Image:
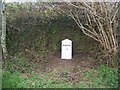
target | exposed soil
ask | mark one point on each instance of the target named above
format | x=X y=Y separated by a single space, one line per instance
x=79 y=59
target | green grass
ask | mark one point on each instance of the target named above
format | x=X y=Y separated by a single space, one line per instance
x=109 y=76
x=104 y=77
x=17 y=80
x=18 y=74
x=12 y=80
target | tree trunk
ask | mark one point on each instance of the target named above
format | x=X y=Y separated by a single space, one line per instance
x=3 y=31
x=0 y=46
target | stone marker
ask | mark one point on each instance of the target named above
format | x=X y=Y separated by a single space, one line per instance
x=66 y=49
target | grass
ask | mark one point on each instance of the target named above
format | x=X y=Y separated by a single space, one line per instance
x=17 y=80
x=19 y=74
x=104 y=77
x=43 y=39
x=12 y=80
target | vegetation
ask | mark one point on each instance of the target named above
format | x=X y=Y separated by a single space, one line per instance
x=34 y=32
x=99 y=23
x=105 y=77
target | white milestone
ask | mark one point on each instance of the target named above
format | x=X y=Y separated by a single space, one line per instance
x=66 y=49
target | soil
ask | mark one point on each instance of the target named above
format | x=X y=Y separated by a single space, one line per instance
x=80 y=59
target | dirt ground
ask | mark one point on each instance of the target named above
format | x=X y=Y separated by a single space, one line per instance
x=82 y=60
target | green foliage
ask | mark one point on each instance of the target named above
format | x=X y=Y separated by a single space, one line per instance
x=20 y=64
x=40 y=29
x=12 y=80
x=42 y=34
x=109 y=76
x=104 y=77
x=17 y=80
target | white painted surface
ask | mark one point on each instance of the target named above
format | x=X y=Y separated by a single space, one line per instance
x=66 y=49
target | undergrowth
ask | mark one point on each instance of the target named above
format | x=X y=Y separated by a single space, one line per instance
x=104 y=77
